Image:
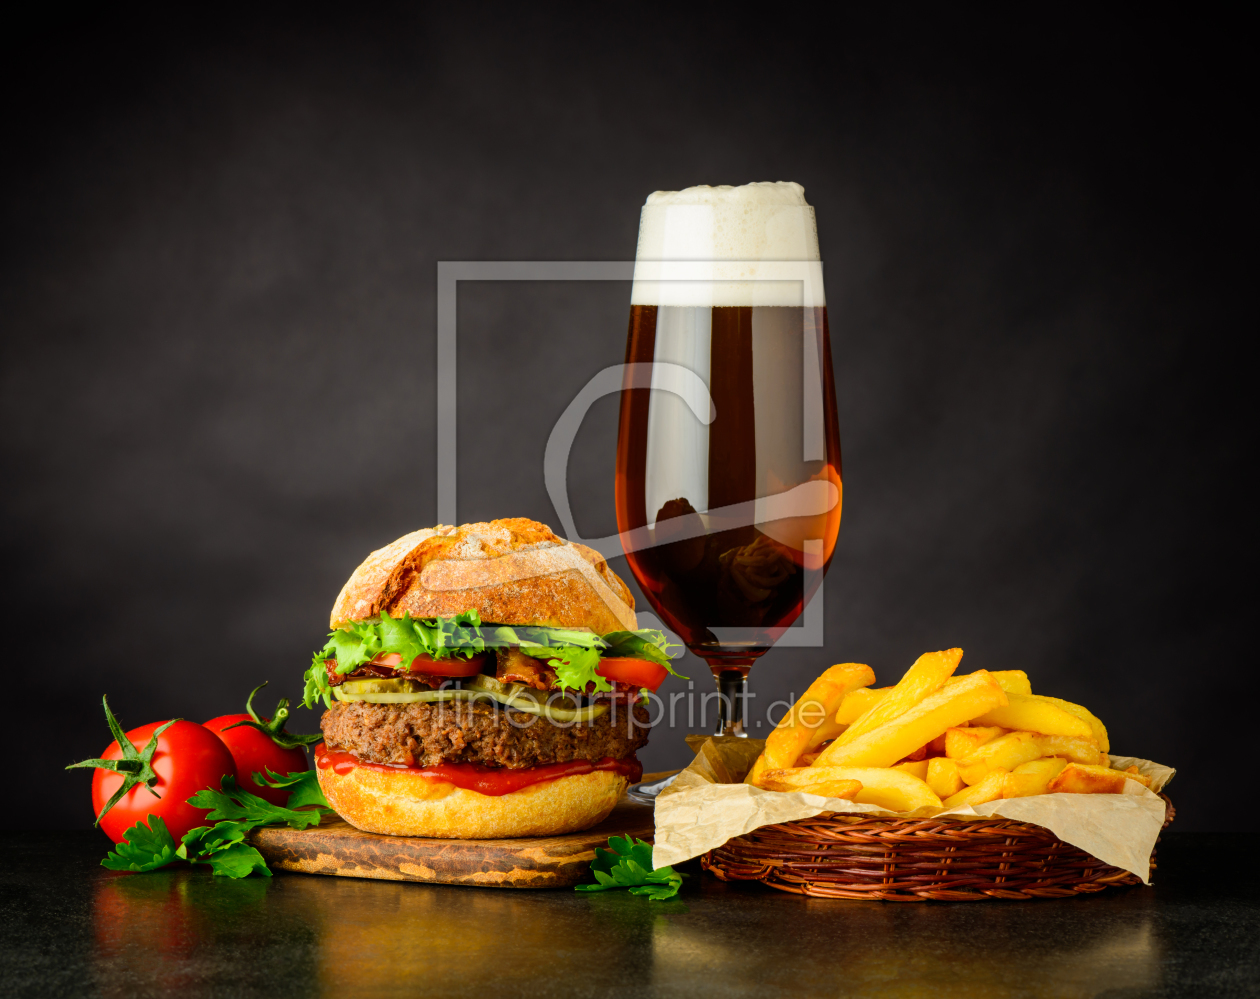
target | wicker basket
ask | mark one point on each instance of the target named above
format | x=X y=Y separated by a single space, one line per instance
x=915 y=860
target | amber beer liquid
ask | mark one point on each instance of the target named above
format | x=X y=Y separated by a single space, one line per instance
x=728 y=458
x=756 y=577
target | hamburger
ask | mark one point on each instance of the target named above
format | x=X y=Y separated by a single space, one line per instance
x=482 y=681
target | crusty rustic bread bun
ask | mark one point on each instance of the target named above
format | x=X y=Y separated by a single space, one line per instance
x=513 y=571
x=406 y=804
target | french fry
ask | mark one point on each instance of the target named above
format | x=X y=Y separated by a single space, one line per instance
x=1097 y=728
x=942 y=777
x=918 y=754
x=1032 y=714
x=846 y=789
x=974 y=773
x=989 y=789
x=815 y=708
x=962 y=742
x=1006 y=751
x=857 y=703
x=1072 y=750
x=931 y=717
x=937 y=746
x=926 y=676
x=1131 y=772
x=825 y=732
x=915 y=768
x=1013 y=681
x=887 y=787
x=759 y=767
x=1032 y=777
x=811 y=780
x=1080 y=778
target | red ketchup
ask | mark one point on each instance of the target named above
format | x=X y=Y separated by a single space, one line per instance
x=492 y=781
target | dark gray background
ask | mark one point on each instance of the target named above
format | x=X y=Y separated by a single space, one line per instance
x=219 y=262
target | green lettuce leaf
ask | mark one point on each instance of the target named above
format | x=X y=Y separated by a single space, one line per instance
x=628 y=864
x=575 y=668
x=143 y=848
x=316 y=688
x=502 y=636
x=390 y=634
x=359 y=642
x=646 y=643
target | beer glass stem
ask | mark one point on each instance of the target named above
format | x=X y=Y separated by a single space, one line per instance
x=733 y=694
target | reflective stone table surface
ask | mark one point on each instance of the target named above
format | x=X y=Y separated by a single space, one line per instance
x=70 y=928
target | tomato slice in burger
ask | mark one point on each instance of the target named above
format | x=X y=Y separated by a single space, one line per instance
x=639 y=672
x=448 y=667
x=433 y=667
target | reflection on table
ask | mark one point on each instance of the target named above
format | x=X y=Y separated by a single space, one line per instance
x=306 y=935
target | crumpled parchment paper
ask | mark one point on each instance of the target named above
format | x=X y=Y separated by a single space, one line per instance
x=708 y=803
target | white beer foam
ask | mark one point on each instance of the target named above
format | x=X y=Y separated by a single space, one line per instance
x=728 y=246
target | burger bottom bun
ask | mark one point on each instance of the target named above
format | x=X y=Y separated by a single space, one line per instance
x=403 y=804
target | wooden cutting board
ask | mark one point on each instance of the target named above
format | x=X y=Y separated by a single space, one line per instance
x=336 y=847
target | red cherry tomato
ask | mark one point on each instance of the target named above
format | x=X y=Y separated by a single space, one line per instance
x=189 y=758
x=254 y=752
x=639 y=672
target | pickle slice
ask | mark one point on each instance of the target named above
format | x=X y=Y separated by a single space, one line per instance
x=382 y=685
x=517 y=692
x=397 y=696
x=514 y=696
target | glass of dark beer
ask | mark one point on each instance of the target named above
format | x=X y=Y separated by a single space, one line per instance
x=728 y=455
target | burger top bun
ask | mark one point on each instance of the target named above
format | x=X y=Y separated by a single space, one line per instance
x=513 y=571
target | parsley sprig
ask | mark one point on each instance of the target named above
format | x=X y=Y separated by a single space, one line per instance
x=143 y=848
x=235 y=813
x=629 y=865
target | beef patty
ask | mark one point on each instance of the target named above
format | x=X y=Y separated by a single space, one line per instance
x=426 y=734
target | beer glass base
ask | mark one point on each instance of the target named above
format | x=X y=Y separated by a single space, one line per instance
x=732 y=696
